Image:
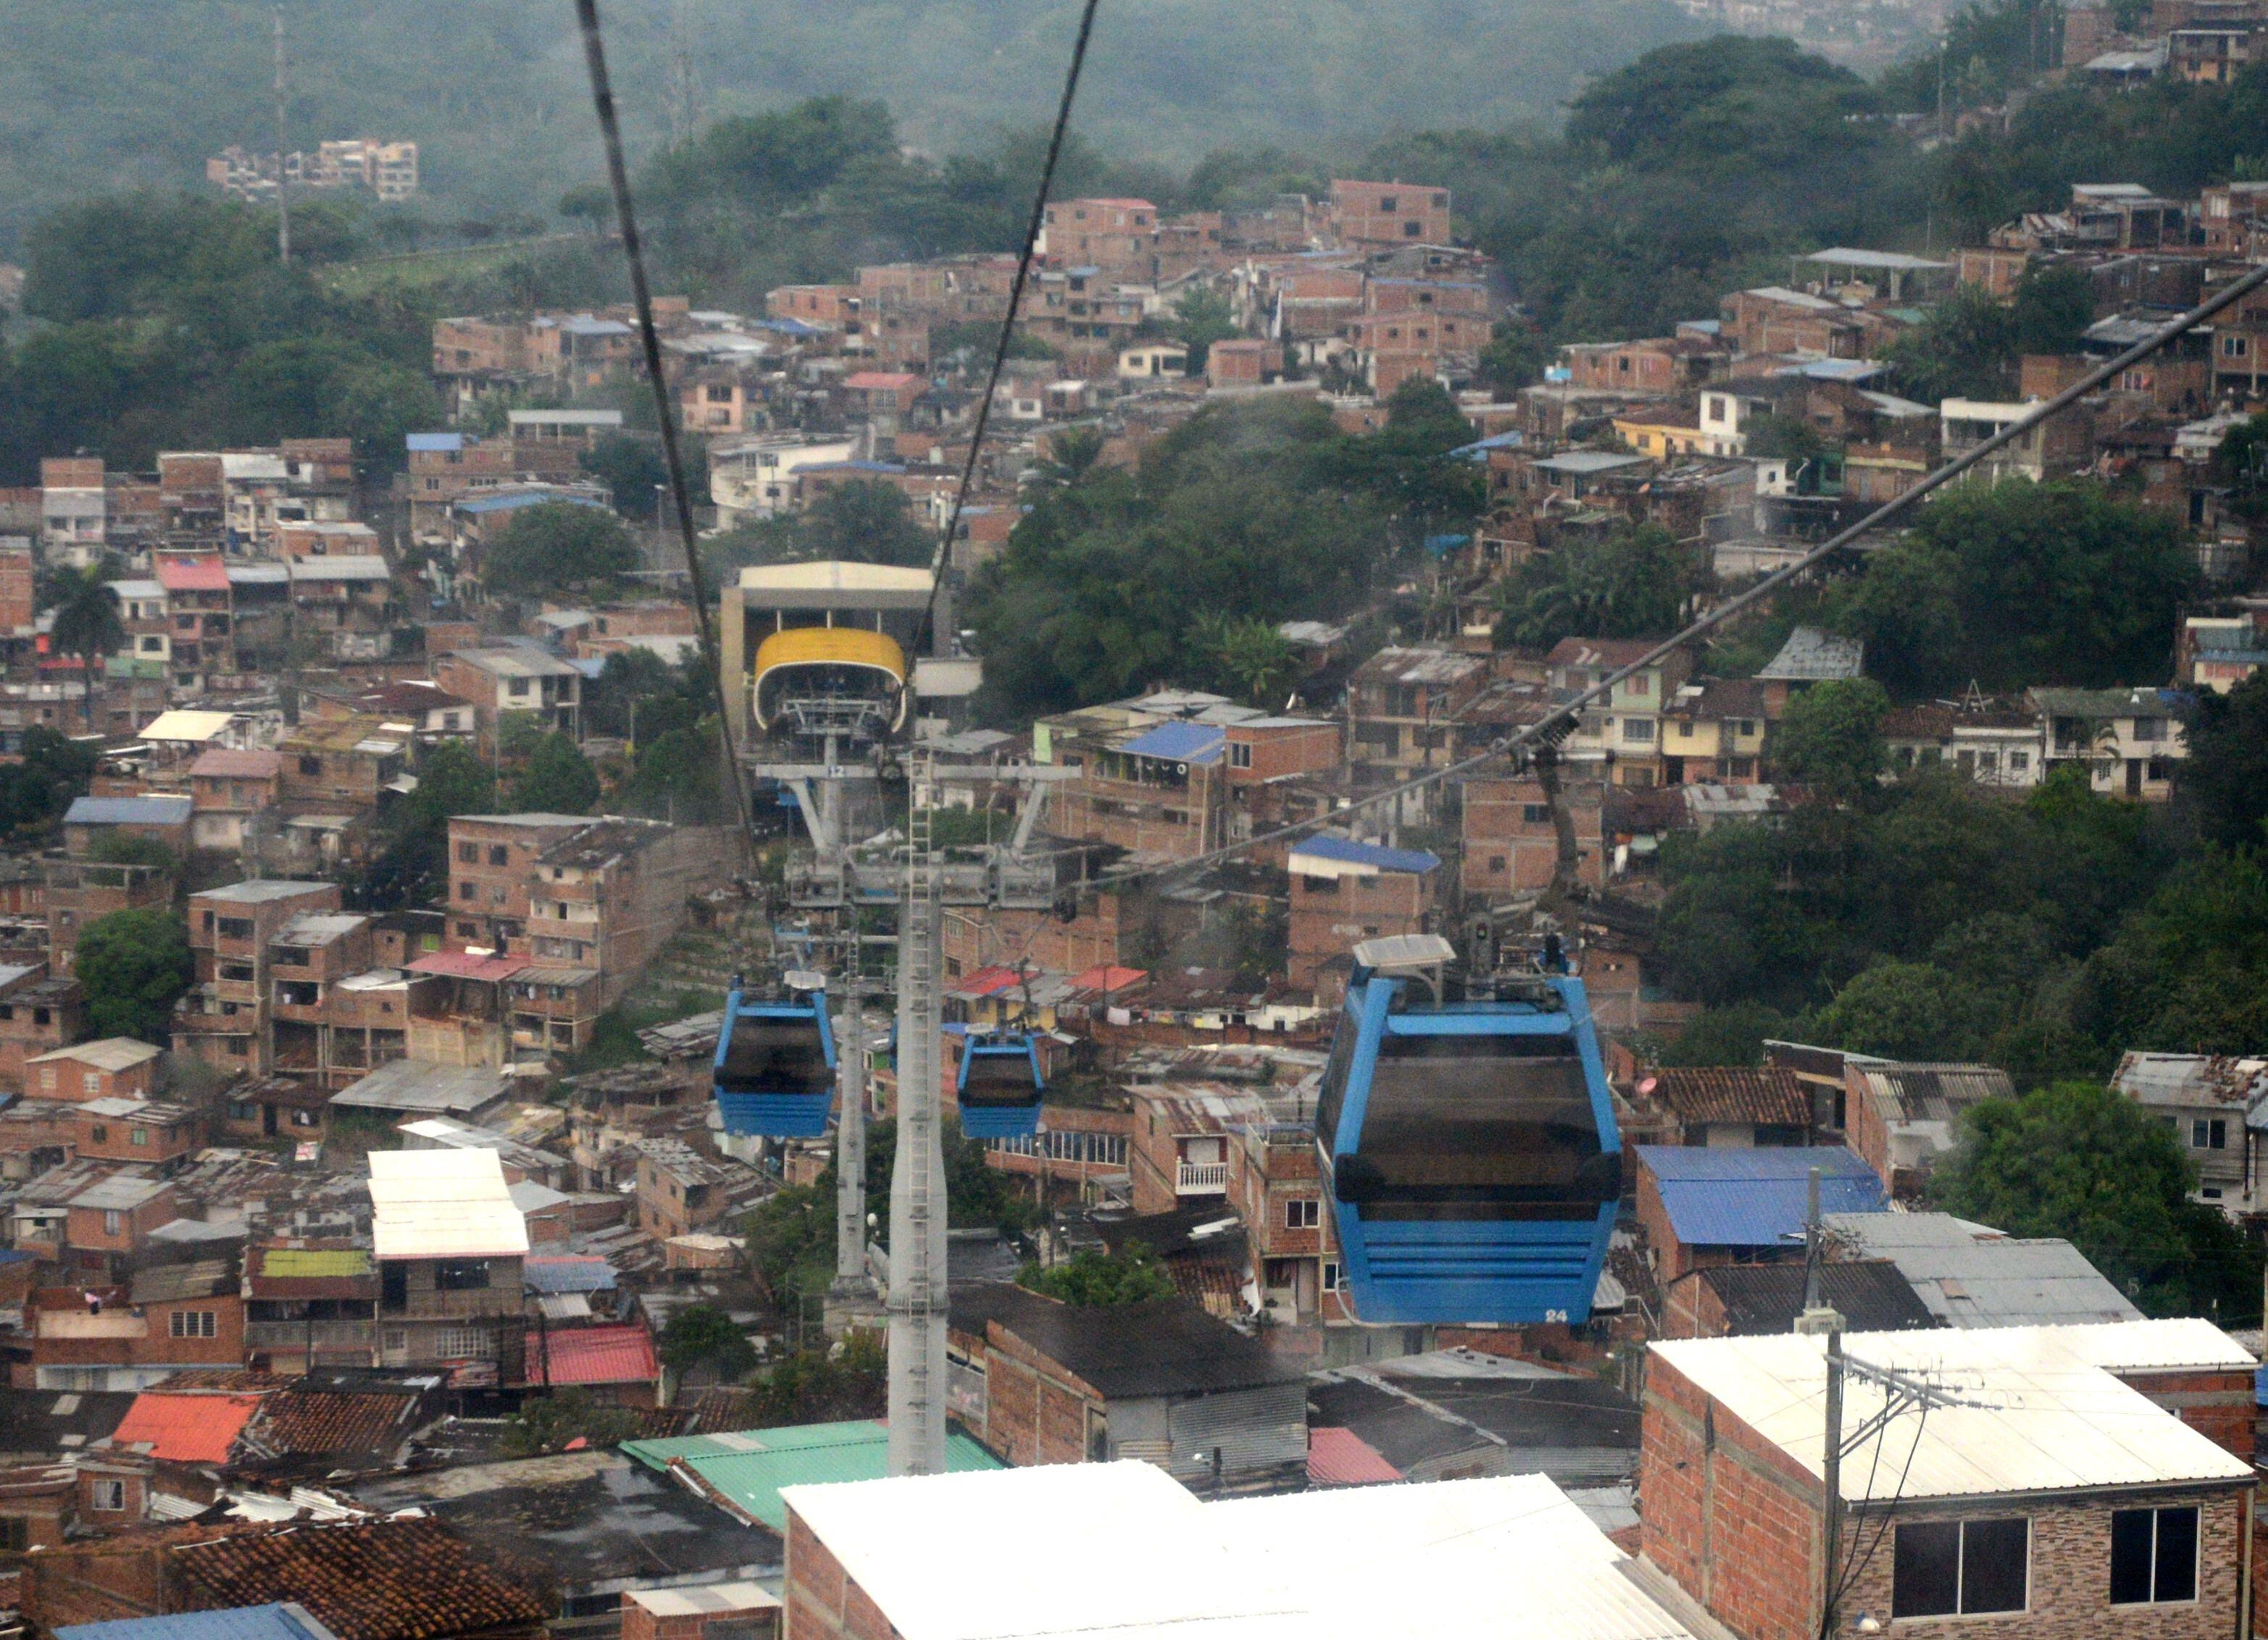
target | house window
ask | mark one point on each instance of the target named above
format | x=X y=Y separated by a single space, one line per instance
x=194 y=1323
x=138 y=1135
x=243 y=1110
x=100 y=1133
x=307 y=1119
x=1240 y=754
x=2019 y=761
x=465 y=1343
x=1948 y=1568
x=311 y=765
x=498 y=855
x=469 y=853
x=460 y=1275
x=464 y=892
x=110 y=1495
x=1536 y=814
x=2153 y=1556
x=1638 y=728
x=1302 y=1213
x=1334 y=1278
x=2209 y=1134
x=113 y=1221
x=90 y=1082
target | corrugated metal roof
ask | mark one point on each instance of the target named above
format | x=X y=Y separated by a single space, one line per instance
x=185 y=1428
x=428 y=1204
x=749 y=1484
x=314 y=1263
x=463 y=965
x=1755 y=1198
x=162 y=811
x=1342 y=1458
x=2051 y=1416
x=413 y=1085
x=1810 y=654
x=1933 y=1093
x=1344 y=851
x=1179 y=743
x=284 y=1620
x=1510 y=1555
x=590 y=1354
x=1970 y=1276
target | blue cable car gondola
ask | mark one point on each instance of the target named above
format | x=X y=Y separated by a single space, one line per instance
x=774 y=1069
x=999 y=1085
x=1470 y=1144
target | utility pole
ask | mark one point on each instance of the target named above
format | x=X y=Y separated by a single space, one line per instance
x=282 y=209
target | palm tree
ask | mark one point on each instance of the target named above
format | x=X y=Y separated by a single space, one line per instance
x=87 y=623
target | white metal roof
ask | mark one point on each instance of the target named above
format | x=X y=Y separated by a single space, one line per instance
x=835 y=576
x=2049 y=1417
x=180 y=725
x=443 y=1204
x=1509 y=1555
x=109 y=1052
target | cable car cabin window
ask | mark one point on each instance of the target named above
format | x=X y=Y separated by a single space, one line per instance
x=1000 y=1079
x=775 y=1057
x=1492 y=1127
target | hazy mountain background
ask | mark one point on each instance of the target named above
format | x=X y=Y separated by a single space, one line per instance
x=96 y=95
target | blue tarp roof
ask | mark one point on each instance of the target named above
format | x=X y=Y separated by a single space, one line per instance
x=128 y=811
x=1180 y=743
x=1416 y=860
x=277 y=1622
x=421 y=441
x=1755 y=1198
x=509 y=500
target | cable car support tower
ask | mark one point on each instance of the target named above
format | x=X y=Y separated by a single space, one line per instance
x=920 y=881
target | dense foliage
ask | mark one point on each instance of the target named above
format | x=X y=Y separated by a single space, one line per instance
x=1092 y=1280
x=35 y=793
x=1629 y=584
x=558 y=546
x=1258 y=512
x=702 y=1336
x=134 y=964
x=2081 y=1162
x=2014 y=585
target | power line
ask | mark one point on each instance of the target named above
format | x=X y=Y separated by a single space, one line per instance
x=1555 y=725
x=618 y=177
x=1007 y=325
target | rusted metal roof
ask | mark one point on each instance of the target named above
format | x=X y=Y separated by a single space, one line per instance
x=185 y=1428
x=1342 y=1458
x=590 y=1354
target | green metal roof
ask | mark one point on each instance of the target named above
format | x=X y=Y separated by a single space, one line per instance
x=744 y=1470
x=312 y=1262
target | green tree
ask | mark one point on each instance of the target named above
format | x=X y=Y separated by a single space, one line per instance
x=2223 y=782
x=1733 y=1035
x=412 y=866
x=1092 y=1280
x=557 y=545
x=87 y=623
x=1783 y=437
x=678 y=776
x=1071 y=454
x=549 y=1422
x=2015 y=584
x=113 y=847
x=631 y=467
x=36 y=790
x=865 y=521
x=1902 y=1010
x=2081 y=1162
x=1251 y=658
x=1201 y=318
x=135 y=966
x=1632 y=584
x=557 y=779
x=703 y=1335
x=1514 y=359
x=1965 y=348
x=1831 y=735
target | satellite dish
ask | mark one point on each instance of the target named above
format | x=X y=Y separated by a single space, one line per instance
x=1649 y=1084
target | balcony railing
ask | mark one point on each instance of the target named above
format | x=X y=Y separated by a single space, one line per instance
x=1201 y=1177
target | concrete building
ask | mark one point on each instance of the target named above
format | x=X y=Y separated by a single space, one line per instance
x=448 y=1243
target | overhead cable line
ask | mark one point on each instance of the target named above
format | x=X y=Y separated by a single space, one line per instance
x=1554 y=726
x=1008 y=325
x=618 y=177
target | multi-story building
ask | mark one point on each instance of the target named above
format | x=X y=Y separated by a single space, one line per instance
x=224 y=1017
x=513 y=678
x=1994 y=743
x=605 y=898
x=1275 y=1187
x=1511 y=840
x=1344 y=892
x=230 y=790
x=1388 y=213
x=2127 y=739
x=493 y=863
x=1712 y=734
x=1119 y=236
x=1618 y=737
x=37 y=1014
x=346 y=765
x=311 y=1304
x=1404 y=705
x=81 y=892
x=448 y=1244
x=199 y=610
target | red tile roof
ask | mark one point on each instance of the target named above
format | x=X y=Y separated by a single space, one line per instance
x=203 y=573
x=185 y=1428
x=1107 y=978
x=410 y=1580
x=590 y=1354
x=1342 y=1458
x=464 y=966
x=253 y=765
x=1705 y=1094
x=984 y=982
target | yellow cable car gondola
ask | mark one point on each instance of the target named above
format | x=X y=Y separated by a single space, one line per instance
x=814 y=681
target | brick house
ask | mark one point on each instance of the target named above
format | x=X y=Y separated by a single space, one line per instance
x=1510 y=843
x=227 y=790
x=1402 y=705
x=79 y=892
x=1621 y=733
x=1699 y=1206
x=111 y=1220
x=137 y=1132
x=114 y=1068
x=1344 y=892
x=1734 y=1107
x=492 y=863
x=448 y=1243
x=709 y=1611
x=36 y=1015
x=1901 y=1117
x=1275 y=1185
x=1038 y=1381
x=225 y=1019
x=1117 y=237
x=681 y=1191
x=2059 y=1501
x=1388 y=213
x=512 y=678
